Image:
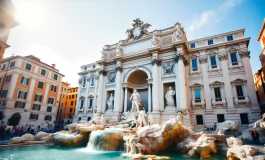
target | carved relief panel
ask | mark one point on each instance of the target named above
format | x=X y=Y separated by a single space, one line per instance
x=168 y=68
x=111 y=77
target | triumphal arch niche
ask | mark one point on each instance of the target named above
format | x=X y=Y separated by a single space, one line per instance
x=153 y=63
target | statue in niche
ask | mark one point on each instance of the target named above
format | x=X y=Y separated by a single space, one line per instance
x=136 y=101
x=110 y=102
x=141 y=118
x=170 y=97
x=168 y=67
x=154 y=40
x=119 y=49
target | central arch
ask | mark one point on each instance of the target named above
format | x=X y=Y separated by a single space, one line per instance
x=138 y=77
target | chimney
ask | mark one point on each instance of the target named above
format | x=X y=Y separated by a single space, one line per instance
x=53 y=66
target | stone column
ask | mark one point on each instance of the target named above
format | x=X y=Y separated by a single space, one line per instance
x=227 y=85
x=155 y=94
x=102 y=73
x=95 y=93
x=86 y=93
x=207 y=93
x=125 y=100
x=149 y=98
x=118 y=88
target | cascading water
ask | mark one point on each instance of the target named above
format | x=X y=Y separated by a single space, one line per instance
x=106 y=140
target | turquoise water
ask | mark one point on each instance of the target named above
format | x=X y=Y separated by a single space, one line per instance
x=39 y=152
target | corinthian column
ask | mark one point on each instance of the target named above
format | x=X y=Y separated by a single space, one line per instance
x=118 y=89
x=155 y=63
x=102 y=73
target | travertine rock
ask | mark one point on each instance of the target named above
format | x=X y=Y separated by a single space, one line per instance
x=42 y=136
x=17 y=140
x=227 y=125
x=28 y=137
x=241 y=152
x=232 y=141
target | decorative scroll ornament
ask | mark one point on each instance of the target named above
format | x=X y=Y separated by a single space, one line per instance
x=157 y=62
x=168 y=67
x=222 y=57
x=138 y=29
x=244 y=54
x=103 y=72
x=203 y=60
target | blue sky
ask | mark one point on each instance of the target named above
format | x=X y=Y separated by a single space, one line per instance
x=71 y=33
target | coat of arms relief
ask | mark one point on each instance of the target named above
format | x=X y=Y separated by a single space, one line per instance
x=139 y=28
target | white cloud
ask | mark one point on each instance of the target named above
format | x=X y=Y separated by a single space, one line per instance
x=202 y=20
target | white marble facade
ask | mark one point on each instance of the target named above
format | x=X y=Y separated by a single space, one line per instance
x=211 y=77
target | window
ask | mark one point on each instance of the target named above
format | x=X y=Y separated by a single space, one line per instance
x=217 y=93
x=3 y=103
x=66 y=97
x=239 y=91
x=88 y=118
x=8 y=78
x=33 y=116
x=90 y=103
x=38 y=98
x=94 y=66
x=72 y=103
x=213 y=62
x=194 y=65
x=73 y=96
x=197 y=94
x=220 y=118
x=24 y=80
x=4 y=93
x=55 y=76
x=3 y=67
x=40 y=85
x=50 y=100
x=36 y=107
x=64 y=89
x=85 y=68
x=92 y=81
x=19 y=104
x=199 y=119
x=48 y=118
x=28 y=66
x=49 y=109
x=210 y=42
x=244 y=118
x=82 y=104
x=12 y=64
x=234 y=59
x=43 y=72
x=229 y=38
x=71 y=110
x=192 y=45
x=84 y=82
x=79 y=118
x=22 y=95
x=53 y=88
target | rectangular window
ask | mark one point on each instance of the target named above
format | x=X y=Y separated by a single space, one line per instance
x=48 y=118
x=4 y=93
x=197 y=94
x=199 y=119
x=22 y=95
x=71 y=110
x=3 y=67
x=94 y=66
x=233 y=57
x=194 y=65
x=92 y=81
x=240 y=93
x=24 y=80
x=90 y=103
x=213 y=62
x=49 y=109
x=217 y=93
x=72 y=103
x=192 y=45
x=84 y=82
x=53 y=88
x=85 y=68
x=43 y=72
x=33 y=116
x=229 y=38
x=3 y=103
x=8 y=78
x=12 y=64
x=19 y=104
x=73 y=96
x=66 y=97
x=40 y=85
x=28 y=67
x=36 y=107
x=244 y=118
x=50 y=100
x=210 y=42
x=82 y=104
x=38 y=98
x=64 y=89
x=55 y=76
x=220 y=118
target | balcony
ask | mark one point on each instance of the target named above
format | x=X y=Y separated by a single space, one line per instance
x=198 y=102
x=241 y=100
x=218 y=101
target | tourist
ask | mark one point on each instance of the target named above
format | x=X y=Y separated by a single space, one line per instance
x=253 y=135
x=32 y=130
x=214 y=126
x=28 y=130
x=12 y=131
x=2 y=133
x=257 y=136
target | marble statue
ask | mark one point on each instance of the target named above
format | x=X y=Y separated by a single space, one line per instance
x=119 y=49
x=180 y=118
x=154 y=40
x=141 y=118
x=170 y=97
x=257 y=123
x=102 y=120
x=95 y=118
x=129 y=34
x=136 y=101
x=151 y=119
x=110 y=102
x=178 y=32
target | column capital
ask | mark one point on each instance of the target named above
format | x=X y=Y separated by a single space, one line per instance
x=118 y=68
x=244 y=54
x=102 y=72
x=203 y=59
x=158 y=62
x=223 y=56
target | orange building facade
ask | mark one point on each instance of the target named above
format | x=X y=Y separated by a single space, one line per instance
x=67 y=105
x=7 y=22
x=30 y=91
